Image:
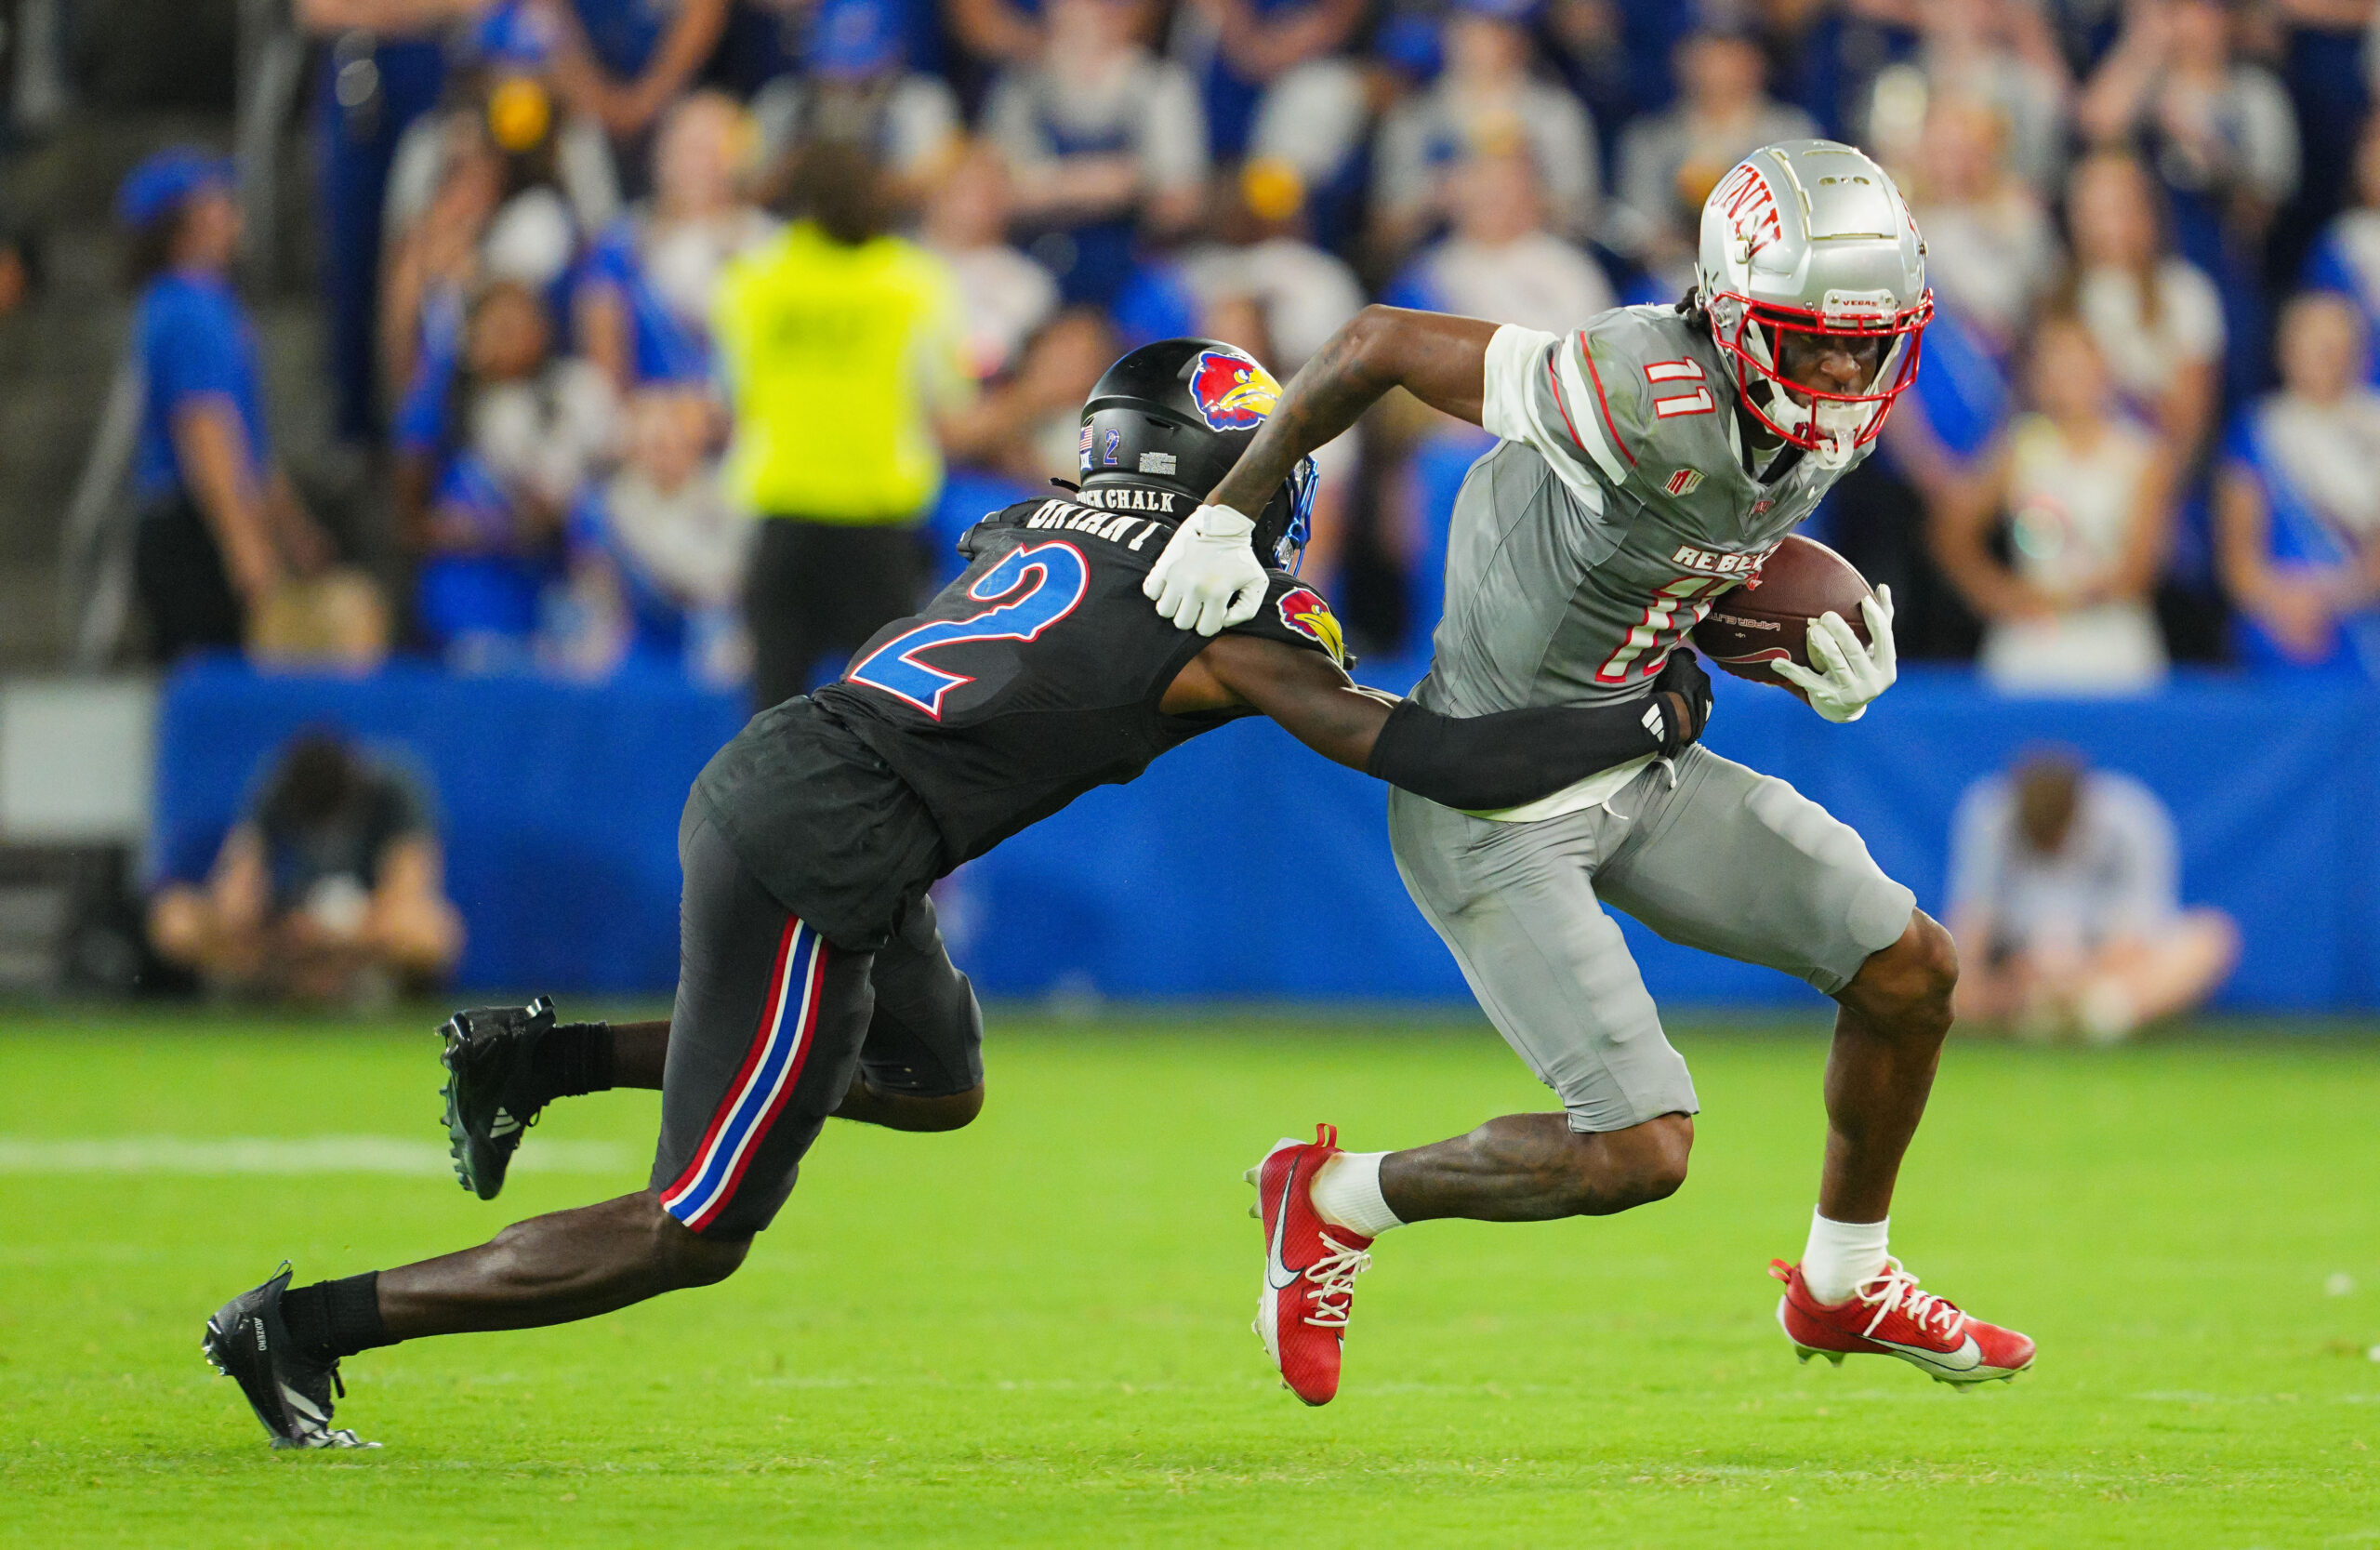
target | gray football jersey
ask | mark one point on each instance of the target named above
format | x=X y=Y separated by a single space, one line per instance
x=1613 y=513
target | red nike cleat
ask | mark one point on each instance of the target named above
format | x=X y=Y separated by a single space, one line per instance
x=1886 y=1315
x=1310 y=1268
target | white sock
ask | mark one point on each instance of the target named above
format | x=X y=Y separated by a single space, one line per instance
x=1346 y=1193
x=1841 y=1256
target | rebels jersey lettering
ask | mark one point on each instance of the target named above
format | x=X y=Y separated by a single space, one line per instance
x=1037 y=675
x=1616 y=510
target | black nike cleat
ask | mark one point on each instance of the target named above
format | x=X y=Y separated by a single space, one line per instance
x=490 y=1097
x=289 y=1391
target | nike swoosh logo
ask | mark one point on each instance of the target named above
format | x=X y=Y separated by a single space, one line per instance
x=1967 y=1358
x=1277 y=1276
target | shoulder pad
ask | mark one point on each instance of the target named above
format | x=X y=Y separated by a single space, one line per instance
x=1652 y=375
x=970 y=541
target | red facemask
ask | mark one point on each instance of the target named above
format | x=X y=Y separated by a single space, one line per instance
x=1817 y=419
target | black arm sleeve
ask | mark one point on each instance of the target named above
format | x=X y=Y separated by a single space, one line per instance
x=1480 y=764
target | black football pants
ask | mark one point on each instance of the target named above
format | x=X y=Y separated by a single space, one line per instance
x=772 y=1022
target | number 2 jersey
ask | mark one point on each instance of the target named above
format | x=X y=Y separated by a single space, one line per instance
x=1032 y=678
x=1615 y=511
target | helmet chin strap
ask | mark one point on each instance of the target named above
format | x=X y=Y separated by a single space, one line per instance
x=1834 y=426
x=1838 y=428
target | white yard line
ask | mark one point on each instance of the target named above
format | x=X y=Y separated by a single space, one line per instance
x=312 y=1154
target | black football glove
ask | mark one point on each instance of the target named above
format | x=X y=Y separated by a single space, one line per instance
x=1683 y=691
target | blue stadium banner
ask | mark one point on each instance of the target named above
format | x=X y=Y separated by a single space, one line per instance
x=1243 y=866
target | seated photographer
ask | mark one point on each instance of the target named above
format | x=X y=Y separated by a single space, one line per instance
x=2066 y=905
x=329 y=890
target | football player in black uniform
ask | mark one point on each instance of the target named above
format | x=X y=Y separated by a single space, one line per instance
x=812 y=981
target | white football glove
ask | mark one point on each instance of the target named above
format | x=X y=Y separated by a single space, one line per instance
x=1208 y=576
x=1849 y=674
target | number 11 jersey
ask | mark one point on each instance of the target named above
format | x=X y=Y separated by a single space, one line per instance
x=1616 y=510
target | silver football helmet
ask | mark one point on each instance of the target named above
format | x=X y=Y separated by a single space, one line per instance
x=1810 y=237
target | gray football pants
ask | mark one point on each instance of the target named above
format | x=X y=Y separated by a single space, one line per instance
x=1724 y=859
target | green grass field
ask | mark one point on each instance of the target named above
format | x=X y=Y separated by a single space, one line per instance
x=1036 y=1331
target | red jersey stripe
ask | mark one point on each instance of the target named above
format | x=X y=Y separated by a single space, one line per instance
x=1554 y=380
x=1587 y=355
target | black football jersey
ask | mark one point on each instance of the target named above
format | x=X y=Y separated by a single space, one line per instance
x=1037 y=675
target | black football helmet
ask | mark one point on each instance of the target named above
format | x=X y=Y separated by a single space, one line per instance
x=1168 y=421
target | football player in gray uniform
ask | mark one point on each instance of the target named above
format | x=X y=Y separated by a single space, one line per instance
x=1648 y=462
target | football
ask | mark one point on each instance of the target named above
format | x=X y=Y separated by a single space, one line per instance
x=1768 y=618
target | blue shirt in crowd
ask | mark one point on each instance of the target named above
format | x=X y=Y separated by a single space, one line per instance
x=665 y=348
x=623 y=33
x=194 y=340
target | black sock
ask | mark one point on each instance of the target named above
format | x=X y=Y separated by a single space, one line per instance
x=572 y=1058
x=331 y=1319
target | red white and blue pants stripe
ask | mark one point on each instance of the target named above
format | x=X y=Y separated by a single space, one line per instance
x=782 y=1044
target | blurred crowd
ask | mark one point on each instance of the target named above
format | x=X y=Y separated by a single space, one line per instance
x=2143 y=432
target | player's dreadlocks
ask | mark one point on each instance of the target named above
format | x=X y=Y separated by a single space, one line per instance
x=1689 y=307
